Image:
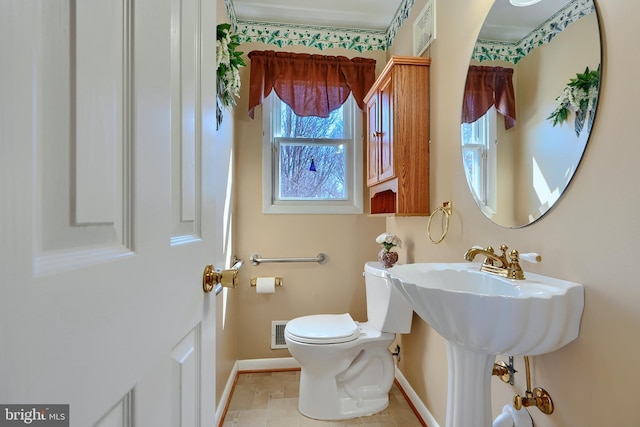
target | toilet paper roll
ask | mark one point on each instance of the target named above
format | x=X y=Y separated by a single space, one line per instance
x=266 y=285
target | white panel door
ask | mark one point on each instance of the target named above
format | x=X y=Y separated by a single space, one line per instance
x=107 y=210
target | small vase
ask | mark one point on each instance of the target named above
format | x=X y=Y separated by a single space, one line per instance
x=387 y=258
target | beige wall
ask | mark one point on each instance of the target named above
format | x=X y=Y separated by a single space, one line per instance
x=244 y=317
x=309 y=288
x=589 y=237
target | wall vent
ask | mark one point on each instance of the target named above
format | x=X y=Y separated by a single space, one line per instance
x=277 y=334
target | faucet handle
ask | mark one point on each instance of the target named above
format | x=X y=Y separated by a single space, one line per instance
x=531 y=257
x=487 y=260
x=514 y=270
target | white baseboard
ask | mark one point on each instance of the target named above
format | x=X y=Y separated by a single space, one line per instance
x=267 y=364
x=291 y=363
x=226 y=394
x=415 y=400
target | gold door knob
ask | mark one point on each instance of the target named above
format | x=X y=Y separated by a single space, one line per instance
x=227 y=278
x=209 y=278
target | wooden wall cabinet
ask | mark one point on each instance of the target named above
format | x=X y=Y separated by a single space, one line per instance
x=398 y=138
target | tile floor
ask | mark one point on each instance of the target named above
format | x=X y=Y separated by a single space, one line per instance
x=270 y=399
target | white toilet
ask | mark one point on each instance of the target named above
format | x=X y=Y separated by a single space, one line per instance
x=347 y=368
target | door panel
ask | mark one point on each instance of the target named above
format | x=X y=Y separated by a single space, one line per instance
x=184 y=112
x=83 y=142
x=118 y=416
x=100 y=307
x=100 y=84
x=186 y=362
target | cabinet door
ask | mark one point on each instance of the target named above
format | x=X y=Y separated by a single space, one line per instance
x=373 y=140
x=385 y=107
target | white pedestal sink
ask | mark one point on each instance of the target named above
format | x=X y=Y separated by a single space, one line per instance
x=482 y=315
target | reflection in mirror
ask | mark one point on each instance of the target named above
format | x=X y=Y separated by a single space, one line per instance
x=527 y=119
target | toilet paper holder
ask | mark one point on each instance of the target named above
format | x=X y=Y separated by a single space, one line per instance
x=254 y=281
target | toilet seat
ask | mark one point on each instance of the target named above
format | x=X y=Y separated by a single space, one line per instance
x=323 y=329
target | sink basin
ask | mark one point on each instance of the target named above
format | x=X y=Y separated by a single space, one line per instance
x=482 y=315
x=492 y=314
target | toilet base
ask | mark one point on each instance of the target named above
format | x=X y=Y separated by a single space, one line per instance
x=349 y=409
x=350 y=406
x=361 y=390
x=333 y=406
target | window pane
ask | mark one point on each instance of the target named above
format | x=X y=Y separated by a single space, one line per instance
x=312 y=171
x=472 y=160
x=467 y=130
x=293 y=126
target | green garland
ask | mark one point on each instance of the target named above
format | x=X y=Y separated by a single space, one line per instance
x=228 y=62
x=581 y=96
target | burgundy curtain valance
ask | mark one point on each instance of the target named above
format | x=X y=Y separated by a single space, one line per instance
x=487 y=86
x=312 y=85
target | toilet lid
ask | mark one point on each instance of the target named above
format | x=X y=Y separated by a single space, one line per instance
x=323 y=329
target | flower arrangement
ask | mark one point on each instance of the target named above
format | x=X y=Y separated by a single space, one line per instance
x=386 y=257
x=228 y=62
x=388 y=241
x=581 y=96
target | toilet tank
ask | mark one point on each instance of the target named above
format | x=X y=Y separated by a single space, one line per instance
x=387 y=309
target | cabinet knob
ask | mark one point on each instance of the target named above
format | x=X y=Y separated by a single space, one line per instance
x=376 y=134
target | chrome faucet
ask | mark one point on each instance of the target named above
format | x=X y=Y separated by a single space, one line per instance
x=498 y=264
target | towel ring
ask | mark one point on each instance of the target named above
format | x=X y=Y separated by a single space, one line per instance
x=446 y=210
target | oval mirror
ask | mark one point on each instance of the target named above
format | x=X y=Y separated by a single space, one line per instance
x=529 y=102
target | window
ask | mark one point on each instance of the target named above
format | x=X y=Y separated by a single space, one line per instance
x=479 y=155
x=311 y=165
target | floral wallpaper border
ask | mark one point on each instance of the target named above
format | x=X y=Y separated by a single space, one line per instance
x=486 y=50
x=401 y=15
x=312 y=36
x=319 y=37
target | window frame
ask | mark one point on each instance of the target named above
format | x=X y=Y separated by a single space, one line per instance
x=271 y=204
x=485 y=153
